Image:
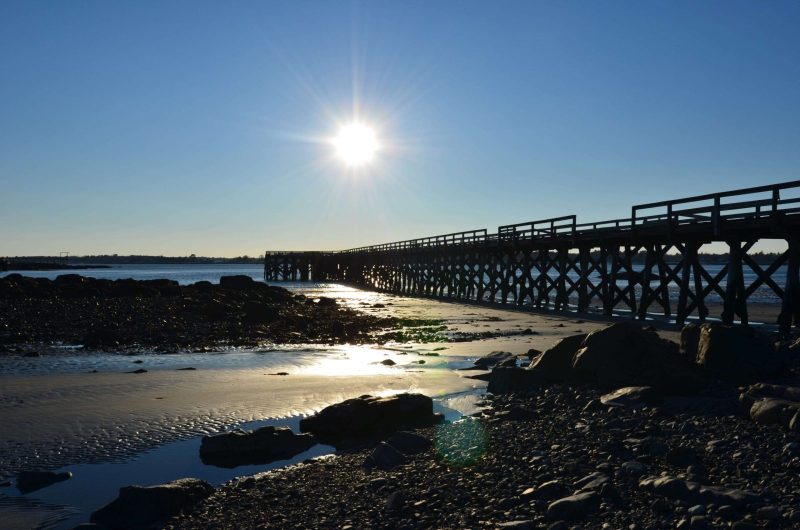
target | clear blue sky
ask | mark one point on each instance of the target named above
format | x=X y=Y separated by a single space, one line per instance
x=168 y=127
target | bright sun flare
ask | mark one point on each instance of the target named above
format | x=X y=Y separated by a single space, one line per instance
x=356 y=144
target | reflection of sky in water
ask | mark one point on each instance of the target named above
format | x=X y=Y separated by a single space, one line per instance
x=331 y=361
x=67 y=504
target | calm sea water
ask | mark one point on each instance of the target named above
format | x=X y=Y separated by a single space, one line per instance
x=186 y=274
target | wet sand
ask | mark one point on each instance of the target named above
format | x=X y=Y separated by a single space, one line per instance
x=58 y=419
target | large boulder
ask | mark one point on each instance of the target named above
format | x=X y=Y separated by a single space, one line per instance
x=555 y=364
x=239 y=282
x=737 y=354
x=141 y=506
x=261 y=446
x=625 y=354
x=361 y=418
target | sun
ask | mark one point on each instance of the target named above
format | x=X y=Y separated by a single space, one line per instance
x=356 y=144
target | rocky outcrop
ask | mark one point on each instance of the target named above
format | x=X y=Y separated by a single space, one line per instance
x=366 y=417
x=621 y=355
x=139 y=506
x=737 y=354
x=113 y=315
x=261 y=446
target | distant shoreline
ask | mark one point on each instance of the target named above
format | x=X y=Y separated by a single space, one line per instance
x=38 y=266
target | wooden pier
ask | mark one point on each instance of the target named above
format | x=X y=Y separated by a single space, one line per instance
x=644 y=265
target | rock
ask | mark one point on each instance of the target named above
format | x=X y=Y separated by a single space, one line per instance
x=737 y=354
x=744 y=525
x=517 y=413
x=512 y=380
x=727 y=512
x=555 y=364
x=494 y=358
x=239 y=282
x=139 y=371
x=368 y=416
x=592 y=482
x=632 y=397
x=261 y=446
x=28 y=481
x=138 y=506
x=396 y=501
x=698 y=522
x=690 y=338
x=32 y=354
x=384 y=456
x=388 y=362
x=575 y=507
x=772 y=405
x=409 y=443
x=624 y=354
x=768 y=513
x=633 y=468
x=693 y=492
x=773 y=411
x=518 y=525
x=550 y=490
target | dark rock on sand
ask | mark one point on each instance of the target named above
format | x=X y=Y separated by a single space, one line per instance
x=366 y=416
x=28 y=481
x=260 y=446
x=493 y=359
x=139 y=506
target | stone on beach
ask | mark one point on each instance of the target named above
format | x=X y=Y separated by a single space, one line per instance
x=737 y=354
x=368 y=416
x=621 y=355
x=28 y=481
x=770 y=404
x=143 y=506
x=260 y=446
x=574 y=507
x=493 y=359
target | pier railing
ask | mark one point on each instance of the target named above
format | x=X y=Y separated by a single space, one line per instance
x=646 y=264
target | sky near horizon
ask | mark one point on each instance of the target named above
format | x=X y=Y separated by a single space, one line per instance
x=180 y=127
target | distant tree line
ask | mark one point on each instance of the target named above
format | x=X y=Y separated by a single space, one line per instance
x=111 y=259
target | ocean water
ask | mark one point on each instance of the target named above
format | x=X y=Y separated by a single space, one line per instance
x=186 y=274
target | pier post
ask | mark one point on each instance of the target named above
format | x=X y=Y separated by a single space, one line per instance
x=790 y=308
